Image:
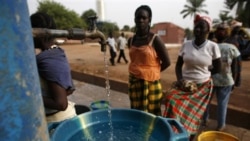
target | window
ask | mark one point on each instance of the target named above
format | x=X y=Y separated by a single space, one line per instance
x=161 y=32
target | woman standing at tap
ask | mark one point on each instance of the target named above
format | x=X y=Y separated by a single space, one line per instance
x=197 y=60
x=224 y=80
x=149 y=57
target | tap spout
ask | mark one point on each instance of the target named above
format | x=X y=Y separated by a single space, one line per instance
x=97 y=34
x=76 y=33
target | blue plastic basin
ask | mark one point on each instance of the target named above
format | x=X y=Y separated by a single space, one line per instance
x=125 y=125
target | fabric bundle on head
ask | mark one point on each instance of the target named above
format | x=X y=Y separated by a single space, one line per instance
x=198 y=18
x=235 y=23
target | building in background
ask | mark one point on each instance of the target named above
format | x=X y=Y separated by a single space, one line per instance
x=100 y=10
x=169 y=32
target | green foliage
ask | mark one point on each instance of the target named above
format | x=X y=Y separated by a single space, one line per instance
x=193 y=7
x=242 y=10
x=224 y=17
x=63 y=17
x=87 y=14
x=66 y=19
x=132 y=29
x=188 y=34
x=126 y=28
x=107 y=27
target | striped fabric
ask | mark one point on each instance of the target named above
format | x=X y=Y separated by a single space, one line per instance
x=188 y=107
x=145 y=95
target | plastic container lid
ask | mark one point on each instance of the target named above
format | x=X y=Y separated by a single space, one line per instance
x=101 y=104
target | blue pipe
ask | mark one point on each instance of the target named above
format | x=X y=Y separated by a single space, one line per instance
x=22 y=115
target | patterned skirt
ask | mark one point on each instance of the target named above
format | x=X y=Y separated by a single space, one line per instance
x=188 y=108
x=145 y=95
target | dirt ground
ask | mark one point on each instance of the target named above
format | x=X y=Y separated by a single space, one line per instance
x=88 y=58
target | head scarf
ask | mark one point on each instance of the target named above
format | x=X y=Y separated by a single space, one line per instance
x=198 y=18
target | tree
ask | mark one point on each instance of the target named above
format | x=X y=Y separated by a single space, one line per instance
x=224 y=17
x=132 y=29
x=188 y=34
x=85 y=16
x=193 y=7
x=107 y=27
x=63 y=17
x=66 y=19
x=242 y=10
x=126 y=28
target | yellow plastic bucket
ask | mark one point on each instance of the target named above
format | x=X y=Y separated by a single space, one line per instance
x=216 y=136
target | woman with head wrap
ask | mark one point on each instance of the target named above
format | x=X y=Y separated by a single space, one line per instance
x=148 y=57
x=197 y=60
x=224 y=80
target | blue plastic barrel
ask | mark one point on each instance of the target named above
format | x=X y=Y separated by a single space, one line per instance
x=22 y=115
x=121 y=125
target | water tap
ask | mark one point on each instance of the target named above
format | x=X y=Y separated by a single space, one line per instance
x=74 y=33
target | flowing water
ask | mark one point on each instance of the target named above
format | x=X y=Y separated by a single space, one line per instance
x=108 y=95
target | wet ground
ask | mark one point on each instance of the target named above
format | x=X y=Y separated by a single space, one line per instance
x=87 y=93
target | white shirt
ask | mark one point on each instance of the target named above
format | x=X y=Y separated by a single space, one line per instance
x=197 y=61
x=122 y=42
x=112 y=43
x=228 y=53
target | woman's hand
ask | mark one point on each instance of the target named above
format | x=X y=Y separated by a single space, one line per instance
x=70 y=91
x=216 y=66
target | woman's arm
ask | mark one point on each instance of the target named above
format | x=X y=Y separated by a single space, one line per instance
x=162 y=53
x=236 y=70
x=58 y=99
x=216 y=66
x=178 y=68
x=129 y=42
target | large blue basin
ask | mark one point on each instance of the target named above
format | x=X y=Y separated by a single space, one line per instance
x=120 y=125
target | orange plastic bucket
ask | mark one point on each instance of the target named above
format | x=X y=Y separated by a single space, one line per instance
x=216 y=136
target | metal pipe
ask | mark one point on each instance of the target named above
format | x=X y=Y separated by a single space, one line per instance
x=74 y=33
x=43 y=32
